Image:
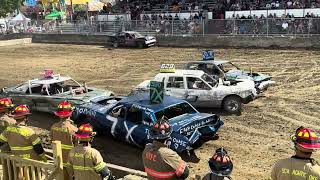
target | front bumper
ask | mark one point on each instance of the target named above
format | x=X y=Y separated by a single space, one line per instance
x=264 y=85
x=248 y=99
x=151 y=42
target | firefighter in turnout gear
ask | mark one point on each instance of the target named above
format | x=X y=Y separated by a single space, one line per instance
x=22 y=140
x=300 y=166
x=220 y=165
x=5 y=120
x=64 y=131
x=159 y=161
x=85 y=162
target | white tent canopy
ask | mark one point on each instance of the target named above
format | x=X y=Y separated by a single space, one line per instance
x=20 y=18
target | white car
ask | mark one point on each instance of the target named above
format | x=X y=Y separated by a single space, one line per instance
x=201 y=90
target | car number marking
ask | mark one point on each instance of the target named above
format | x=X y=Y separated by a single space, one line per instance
x=114 y=123
x=129 y=132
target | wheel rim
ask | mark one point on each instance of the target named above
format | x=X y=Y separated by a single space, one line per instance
x=232 y=105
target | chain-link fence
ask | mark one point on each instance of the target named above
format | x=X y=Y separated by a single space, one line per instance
x=186 y=27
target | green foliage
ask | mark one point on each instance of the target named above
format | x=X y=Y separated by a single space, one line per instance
x=8 y=6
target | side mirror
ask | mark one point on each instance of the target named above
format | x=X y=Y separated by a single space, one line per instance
x=192 y=98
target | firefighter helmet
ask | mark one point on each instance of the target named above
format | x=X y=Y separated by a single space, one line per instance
x=305 y=139
x=161 y=129
x=220 y=163
x=64 y=110
x=85 y=132
x=5 y=104
x=20 y=112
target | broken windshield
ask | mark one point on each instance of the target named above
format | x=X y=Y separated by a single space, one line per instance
x=175 y=110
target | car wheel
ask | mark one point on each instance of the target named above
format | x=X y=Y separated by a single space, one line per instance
x=140 y=45
x=232 y=105
x=115 y=44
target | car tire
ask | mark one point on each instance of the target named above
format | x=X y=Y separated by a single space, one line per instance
x=115 y=44
x=232 y=105
x=140 y=45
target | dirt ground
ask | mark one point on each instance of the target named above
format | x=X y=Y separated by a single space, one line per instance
x=255 y=140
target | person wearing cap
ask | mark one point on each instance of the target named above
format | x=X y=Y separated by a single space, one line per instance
x=64 y=131
x=220 y=165
x=85 y=162
x=22 y=140
x=301 y=165
x=5 y=120
x=159 y=161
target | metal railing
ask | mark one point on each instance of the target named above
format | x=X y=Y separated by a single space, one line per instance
x=187 y=27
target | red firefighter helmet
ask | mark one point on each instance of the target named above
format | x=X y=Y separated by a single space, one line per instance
x=64 y=110
x=305 y=139
x=85 y=132
x=220 y=163
x=5 y=104
x=20 y=112
x=161 y=129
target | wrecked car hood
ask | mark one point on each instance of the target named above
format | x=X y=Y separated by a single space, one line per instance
x=239 y=74
x=186 y=124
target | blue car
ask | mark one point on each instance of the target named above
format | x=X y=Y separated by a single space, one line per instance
x=131 y=118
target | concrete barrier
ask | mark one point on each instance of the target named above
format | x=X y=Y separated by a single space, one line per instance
x=15 y=42
x=206 y=41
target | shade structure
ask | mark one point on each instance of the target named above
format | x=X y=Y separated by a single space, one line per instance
x=54 y=15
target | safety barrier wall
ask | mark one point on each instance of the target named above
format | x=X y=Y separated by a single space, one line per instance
x=193 y=41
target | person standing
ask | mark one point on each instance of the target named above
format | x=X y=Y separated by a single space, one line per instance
x=64 y=131
x=300 y=166
x=85 y=162
x=22 y=140
x=5 y=120
x=159 y=161
x=220 y=165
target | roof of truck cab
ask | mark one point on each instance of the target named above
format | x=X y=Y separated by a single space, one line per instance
x=180 y=72
x=216 y=62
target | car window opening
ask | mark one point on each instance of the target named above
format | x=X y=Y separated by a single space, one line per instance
x=175 y=110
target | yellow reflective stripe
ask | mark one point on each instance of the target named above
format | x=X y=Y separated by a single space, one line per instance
x=65 y=146
x=82 y=168
x=66 y=164
x=17 y=148
x=37 y=141
x=3 y=138
x=22 y=131
x=25 y=156
x=60 y=129
x=100 y=166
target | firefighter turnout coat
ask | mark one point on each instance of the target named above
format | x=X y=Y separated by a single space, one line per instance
x=295 y=168
x=21 y=140
x=64 y=131
x=161 y=162
x=5 y=121
x=85 y=163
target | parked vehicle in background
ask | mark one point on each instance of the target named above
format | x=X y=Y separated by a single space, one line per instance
x=131 y=118
x=132 y=39
x=201 y=90
x=44 y=94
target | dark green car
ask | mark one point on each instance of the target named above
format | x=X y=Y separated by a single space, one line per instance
x=45 y=94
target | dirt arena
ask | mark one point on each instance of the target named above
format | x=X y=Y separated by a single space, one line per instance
x=255 y=140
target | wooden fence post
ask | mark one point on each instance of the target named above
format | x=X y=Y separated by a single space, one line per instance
x=57 y=155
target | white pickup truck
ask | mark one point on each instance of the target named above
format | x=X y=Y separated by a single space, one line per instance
x=201 y=90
